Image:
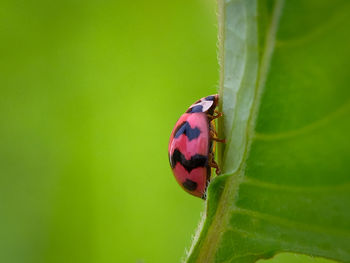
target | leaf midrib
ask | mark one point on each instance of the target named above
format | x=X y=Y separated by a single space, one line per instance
x=226 y=203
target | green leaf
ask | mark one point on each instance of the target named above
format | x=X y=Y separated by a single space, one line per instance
x=286 y=102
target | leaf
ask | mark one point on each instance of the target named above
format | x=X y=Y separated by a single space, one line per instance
x=286 y=101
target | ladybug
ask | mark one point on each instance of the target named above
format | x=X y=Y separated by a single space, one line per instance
x=191 y=146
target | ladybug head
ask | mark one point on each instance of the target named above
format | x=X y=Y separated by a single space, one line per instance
x=206 y=105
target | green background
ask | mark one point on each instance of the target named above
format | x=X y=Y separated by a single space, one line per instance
x=90 y=91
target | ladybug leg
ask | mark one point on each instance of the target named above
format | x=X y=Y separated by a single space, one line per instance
x=217 y=115
x=212 y=131
x=218 y=140
x=213 y=164
x=213 y=135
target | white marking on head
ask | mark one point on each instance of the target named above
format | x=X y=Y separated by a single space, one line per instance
x=206 y=104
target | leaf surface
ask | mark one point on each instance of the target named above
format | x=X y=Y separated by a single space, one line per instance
x=286 y=99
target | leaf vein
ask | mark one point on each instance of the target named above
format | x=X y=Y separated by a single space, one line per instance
x=294 y=225
x=280 y=245
x=339 y=16
x=306 y=129
x=267 y=185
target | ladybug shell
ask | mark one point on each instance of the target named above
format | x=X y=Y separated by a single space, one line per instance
x=190 y=146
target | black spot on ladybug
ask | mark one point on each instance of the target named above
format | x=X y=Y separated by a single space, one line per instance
x=210 y=98
x=197 y=108
x=190 y=185
x=186 y=129
x=196 y=161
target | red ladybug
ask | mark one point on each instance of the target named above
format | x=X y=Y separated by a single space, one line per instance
x=191 y=154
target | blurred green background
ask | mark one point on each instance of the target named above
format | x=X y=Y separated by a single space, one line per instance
x=90 y=91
